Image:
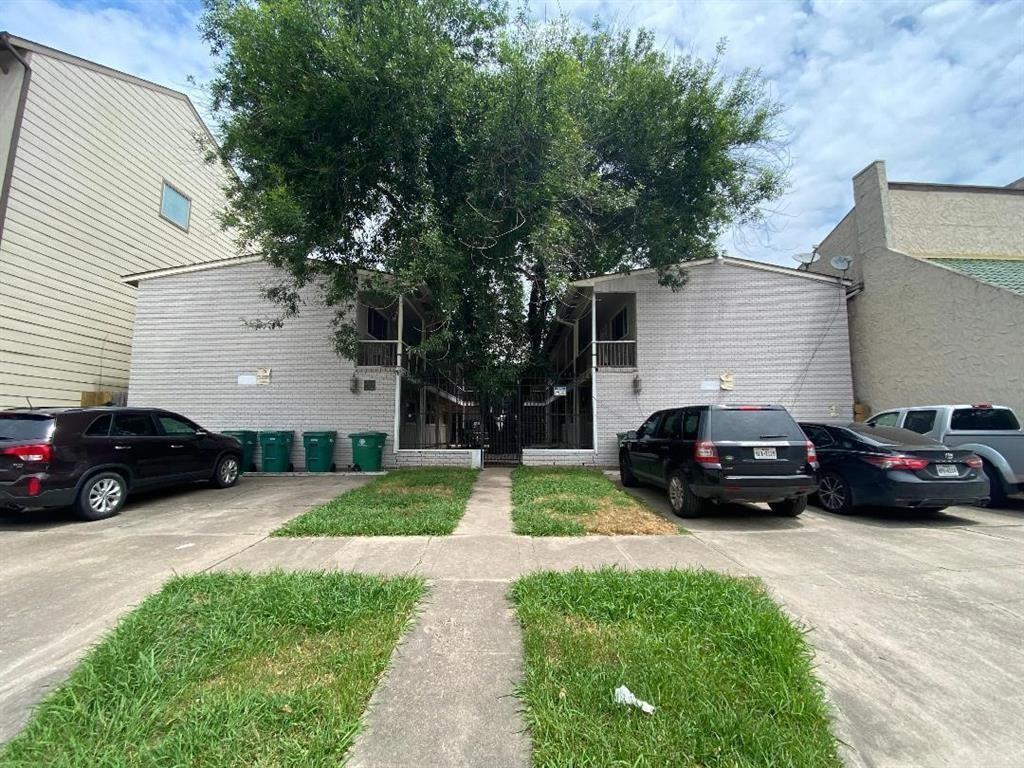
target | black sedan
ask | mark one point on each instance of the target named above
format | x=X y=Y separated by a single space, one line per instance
x=889 y=467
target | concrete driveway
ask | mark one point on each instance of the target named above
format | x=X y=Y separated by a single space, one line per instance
x=63 y=583
x=917 y=620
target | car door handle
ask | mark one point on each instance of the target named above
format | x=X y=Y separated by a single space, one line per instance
x=122 y=447
x=177 y=445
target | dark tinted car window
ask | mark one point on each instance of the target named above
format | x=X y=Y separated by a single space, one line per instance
x=691 y=424
x=890 y=436
x=175 y=426
x=133 y=425
x=819 y=436
x=734 y=424
x=672 y=426
x=983 y=419
x=25 y=426
x=100 y=427
x=919 y=421
x=648 y=427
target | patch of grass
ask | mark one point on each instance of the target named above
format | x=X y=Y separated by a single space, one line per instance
x=226 y=669
x=729 y=674
x=405 y=502
x=574 y=502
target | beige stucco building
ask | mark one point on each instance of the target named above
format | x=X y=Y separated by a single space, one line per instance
x=103 y=174
x=936 y=312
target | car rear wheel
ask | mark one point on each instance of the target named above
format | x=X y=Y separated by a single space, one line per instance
x=626 y=473
x=789 y=507
x=101 y=496
x=834 y=493
x=685 y=503
x=996 y=492
x=227 y=471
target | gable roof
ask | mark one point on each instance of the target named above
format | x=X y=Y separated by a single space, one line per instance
x=730 y=260
x=53 y=53
x=1004 y=273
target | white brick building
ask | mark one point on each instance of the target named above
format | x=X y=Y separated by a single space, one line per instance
x=777 y=334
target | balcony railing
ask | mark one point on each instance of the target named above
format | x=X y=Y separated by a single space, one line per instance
x=616 y=354
x=378 y=354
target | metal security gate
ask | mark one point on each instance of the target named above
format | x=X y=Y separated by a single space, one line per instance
x=500 y=434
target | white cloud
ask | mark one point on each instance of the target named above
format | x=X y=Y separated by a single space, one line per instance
x=934 y=88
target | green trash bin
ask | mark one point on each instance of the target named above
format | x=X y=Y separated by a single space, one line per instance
x=276 y=447
x=319 y=451
x=249 y=441
x=367 y=450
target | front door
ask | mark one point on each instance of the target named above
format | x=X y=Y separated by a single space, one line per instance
x=499 y=430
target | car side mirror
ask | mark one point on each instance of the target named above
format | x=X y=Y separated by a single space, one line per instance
x=632 y=435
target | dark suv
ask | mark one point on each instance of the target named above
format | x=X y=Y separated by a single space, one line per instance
x=717 y=453
x=92 y=457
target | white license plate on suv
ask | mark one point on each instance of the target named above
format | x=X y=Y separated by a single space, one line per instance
x=765 y=453
x=947 y=470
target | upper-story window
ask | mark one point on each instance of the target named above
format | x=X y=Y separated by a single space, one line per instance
x=175 y=207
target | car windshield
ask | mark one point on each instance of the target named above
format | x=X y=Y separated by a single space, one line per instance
x=731 y=424
x=25 y=426
x=984 y=419
x=888 y=436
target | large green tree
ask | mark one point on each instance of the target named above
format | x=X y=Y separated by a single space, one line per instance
x=489 y=160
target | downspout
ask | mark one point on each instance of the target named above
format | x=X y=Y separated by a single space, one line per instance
x=5 y=188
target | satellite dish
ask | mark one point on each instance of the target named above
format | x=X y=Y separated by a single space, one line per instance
x=841 y=263
x=807 y=258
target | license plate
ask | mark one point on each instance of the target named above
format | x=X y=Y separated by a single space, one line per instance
x=947 y=470
x=765 y=453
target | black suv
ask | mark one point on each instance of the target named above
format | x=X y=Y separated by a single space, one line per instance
x=719 y=453
x=92 y=457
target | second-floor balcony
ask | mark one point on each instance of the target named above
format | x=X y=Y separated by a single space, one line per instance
x=616 y=354
x=375 y=353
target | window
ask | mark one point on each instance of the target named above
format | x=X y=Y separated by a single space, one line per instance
x=174 y=426
x=819 y=436
x=648 y=427
x=24 y=426
x=691 y=424
x=175 y=207
x=133 y=425
x=733 y=424
x=376 y=324
x=100 y=427
x=885 y=419
x=620 y=325
x=672 y=427
x=919 y=421
x=984 y=419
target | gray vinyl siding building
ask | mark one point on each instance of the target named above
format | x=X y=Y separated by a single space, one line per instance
x=86 y=151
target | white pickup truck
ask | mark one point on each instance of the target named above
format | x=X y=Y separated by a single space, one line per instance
x=991 y=431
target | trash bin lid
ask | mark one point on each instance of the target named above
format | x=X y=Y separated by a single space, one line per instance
x=368 y=434
x=324 y=433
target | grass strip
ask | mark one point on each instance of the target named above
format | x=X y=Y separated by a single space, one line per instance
x=404 y=502
x=729 y=674
x=226 y=669
x=575 y=502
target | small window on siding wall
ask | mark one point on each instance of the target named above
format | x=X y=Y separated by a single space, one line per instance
x=175 y=207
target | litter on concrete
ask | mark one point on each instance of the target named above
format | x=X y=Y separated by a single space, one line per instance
x=625 y=696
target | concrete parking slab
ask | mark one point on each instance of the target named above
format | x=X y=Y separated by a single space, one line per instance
x=917 y=621
x=64 y=583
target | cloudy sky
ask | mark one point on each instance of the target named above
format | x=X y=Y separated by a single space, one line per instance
x=934 y=88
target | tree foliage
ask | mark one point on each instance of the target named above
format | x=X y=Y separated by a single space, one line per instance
x=489 y=160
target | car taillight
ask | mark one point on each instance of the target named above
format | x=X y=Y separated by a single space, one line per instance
x=40 y=452
x=704 y=452
x=812 y=454
x=897 y=462
x=974 y=462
